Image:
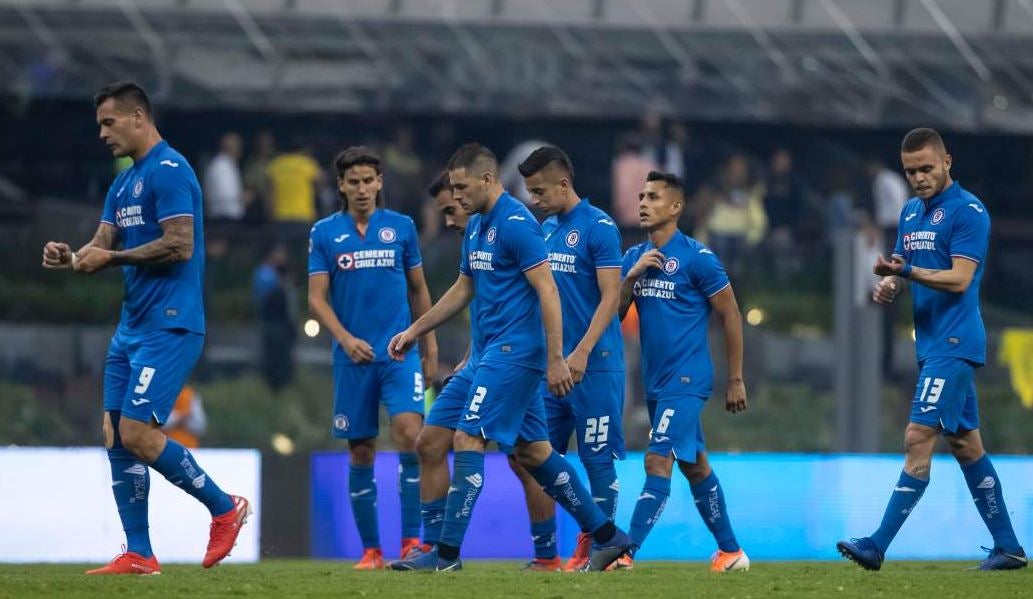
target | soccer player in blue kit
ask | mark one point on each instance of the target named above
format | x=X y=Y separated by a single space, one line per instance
x=676 y=282
x=366 y=282
x=154 y=210
x=584 y=248
x=942 y=238
x=506 y=266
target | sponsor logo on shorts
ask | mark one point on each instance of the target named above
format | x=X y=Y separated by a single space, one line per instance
x=341 y=422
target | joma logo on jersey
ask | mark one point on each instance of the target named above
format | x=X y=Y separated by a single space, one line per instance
x=129 y=216
x=366 y=259
x=920 y=240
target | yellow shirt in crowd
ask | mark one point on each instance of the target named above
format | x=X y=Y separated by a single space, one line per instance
x=293 y=178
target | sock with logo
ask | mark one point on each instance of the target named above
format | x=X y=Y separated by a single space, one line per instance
x=562 y=483
x=130 y=483
x=602 y=479
x=985 y=487
x=433 y=515
x=710 y=501
x=544 y=536
x=467 y=482
x=177 y=465
x=409 y=489
x=648 y=508
x=362 y=489
x=904 y=499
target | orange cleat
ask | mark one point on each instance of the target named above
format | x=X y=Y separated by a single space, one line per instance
x=580 y=557
x=729 y=562
x=130 y=563
x=412 y=548
x=372 y=559
x=224 y=531
x=624 y=562
x=540 y=564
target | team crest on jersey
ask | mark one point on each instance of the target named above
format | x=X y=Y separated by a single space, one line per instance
x=573 y=237
x=490 y=237
x=138 y=188
x=938 y=216
x=387 y=235
x=341 y=422
x=671 y=266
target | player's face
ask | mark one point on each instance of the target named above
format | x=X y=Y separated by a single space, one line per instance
x=548 y=190
x=470 y=191
x=455 y=216
x=658 y=205
x=119 y=129
x=360 y=184
x=927 y=170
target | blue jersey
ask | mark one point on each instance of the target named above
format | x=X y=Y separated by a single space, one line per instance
x=368 y=286
x=580 y=242
x=951 y=223
x=159 y=186
x=674 y=309
x=498 y=247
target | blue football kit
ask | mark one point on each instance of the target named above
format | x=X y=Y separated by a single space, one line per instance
x=949 y=334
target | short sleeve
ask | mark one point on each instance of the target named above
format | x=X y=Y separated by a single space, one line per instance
x=629 y=261
x=411 y=257
x=523 y=240
x=108 y=214
x=970 y=233
x=173 y=188
x=708 y=275
x=605 y=245
x=318 y=261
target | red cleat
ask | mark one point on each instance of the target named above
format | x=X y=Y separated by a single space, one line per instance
x=130 y=563
x=224 y=531
x=412 y=548
x=372 y=559
x=580 y=557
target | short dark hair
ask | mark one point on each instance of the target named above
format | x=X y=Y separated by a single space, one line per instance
x=469 y=155
x=543 y=157
x=125 y=93
x=354 y=156
x=922 y=137
x=673 y=181
x=439 y=184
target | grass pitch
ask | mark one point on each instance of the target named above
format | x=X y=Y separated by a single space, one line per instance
x=484 y=579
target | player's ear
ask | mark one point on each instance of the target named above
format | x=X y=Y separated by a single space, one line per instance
x=947 y=160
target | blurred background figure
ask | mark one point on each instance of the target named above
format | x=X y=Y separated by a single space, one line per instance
x=404 y=175
x=187 y=422
x=224 y=196
x=629 y=169
x=731 y=217
x=275 y=303
x=889 y=193
x=256 y=179
x=295 y=179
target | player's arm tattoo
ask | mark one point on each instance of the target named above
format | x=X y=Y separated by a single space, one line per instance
x=104 y=238
x=955 y=279
x=176 y=244
x=627 y=287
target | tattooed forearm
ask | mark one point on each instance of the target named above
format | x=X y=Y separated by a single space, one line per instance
x=175 y=245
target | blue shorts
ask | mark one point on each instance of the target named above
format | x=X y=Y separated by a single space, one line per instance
x=594 y=409
x=448 y=407
x=677 y=427
x=945 y=396
x=144 y=372
x=504 y=405
x=359 y=389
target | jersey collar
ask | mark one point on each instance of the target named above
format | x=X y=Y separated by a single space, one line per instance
x=161 y=145
x=951 y=192
x=578 y=208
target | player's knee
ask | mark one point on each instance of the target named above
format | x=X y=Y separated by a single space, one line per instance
x=134 y=436
x=694 y=472
x=465 y=442
x=659 y=465
x=431 y=449
x=108 y=431
x=532 y=455
x=363 y=453
x=515 y=465
x=965 y=450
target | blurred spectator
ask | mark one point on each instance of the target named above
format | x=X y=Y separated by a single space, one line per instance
x=629 y=172
x=510 y=177
x=295 y=177
x=664 y=149
x=256 y=179
x=187 y=422
x=889 y=194
x=274 y=301
x=784 y=200
x=404 y=175
x=731 y=215
x=223 y=189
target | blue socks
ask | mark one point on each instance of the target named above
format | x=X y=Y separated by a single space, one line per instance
x=433 y=515
x=362 y=489
x=904 y=499
x=467 y=481
x=409 y=489
x=130 y=482
x=544 y=536
x=649 y=507
x=561 y=482
x=602 y=479
x=985 y=487
x=710 y=501
x=177 y=465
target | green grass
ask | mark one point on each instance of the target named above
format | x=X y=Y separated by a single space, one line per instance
x=283 y=578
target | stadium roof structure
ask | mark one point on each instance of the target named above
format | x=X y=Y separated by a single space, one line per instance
x=961 y=63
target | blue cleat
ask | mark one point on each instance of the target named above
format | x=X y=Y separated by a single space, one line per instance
x=427 y=562
x=604 y=554
x=1001 y=560
x=449 y=565
x=862 y=552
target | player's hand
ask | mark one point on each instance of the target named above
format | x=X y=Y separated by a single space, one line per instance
x=400 y=344
x=651 y=259
x=57 y=256
x=357 y=349
x=90 y=259
x=886 y=291
x=577 y=362
x=735 y=396
x=558 y=378
x=888 y=268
